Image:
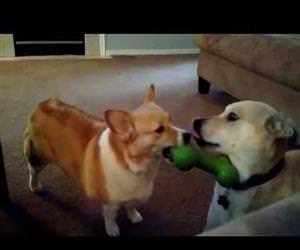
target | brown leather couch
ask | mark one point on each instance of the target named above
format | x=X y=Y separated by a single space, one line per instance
x=253 y=67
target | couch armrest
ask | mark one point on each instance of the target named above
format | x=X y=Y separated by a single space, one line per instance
x=279 y=219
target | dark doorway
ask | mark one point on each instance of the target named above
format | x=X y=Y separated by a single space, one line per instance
x=48 y=44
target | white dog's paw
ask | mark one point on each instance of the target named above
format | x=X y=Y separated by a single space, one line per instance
x=135 y=217
x=112 y=229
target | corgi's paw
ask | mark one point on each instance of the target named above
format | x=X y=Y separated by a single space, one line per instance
x=35 y=187
x=135 y=216
x=112 y=229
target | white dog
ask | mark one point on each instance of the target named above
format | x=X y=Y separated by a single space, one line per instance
x=255 y=137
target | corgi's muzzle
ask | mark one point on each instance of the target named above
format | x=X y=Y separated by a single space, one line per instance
x=184 y=137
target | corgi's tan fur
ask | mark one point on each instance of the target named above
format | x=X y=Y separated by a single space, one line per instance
x=114 y=159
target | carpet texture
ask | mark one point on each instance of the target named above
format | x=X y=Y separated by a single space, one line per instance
x=180 y=200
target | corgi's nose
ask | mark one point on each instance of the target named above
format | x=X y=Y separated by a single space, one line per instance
x=197 y=124
x=186 y=137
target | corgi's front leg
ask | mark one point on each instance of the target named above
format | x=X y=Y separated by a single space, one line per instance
x=110 y=212
x=133 y=214
x=131 y=208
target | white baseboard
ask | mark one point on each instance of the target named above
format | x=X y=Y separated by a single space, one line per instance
x=151 y=52
x=108 y=54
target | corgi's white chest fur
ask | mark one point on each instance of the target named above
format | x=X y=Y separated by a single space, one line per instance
x=122 y=184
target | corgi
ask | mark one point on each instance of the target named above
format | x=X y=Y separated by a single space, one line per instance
x=114 y=160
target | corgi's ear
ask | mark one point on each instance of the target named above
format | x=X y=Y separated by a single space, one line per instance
x=121 y=123
x=280 y=126
x=150 y=96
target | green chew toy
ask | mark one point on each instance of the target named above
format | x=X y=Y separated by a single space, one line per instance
x=186 y=157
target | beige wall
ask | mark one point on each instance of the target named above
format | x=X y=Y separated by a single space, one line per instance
x=150 y=41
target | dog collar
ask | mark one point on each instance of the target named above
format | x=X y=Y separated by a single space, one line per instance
x=260 y=179
x=253 y=181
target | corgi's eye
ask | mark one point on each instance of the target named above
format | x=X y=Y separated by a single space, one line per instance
x=160 y=129
x=231 y=117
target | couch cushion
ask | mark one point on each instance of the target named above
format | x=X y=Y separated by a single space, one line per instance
x=276 y=57
x=247 y=85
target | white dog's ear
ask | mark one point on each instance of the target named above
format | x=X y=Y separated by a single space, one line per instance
x=280 y=126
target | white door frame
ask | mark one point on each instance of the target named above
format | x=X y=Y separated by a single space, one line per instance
x=102 y=45
x=7 y=47
x=95 y=46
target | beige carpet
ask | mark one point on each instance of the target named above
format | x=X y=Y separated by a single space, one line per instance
x=180 y=201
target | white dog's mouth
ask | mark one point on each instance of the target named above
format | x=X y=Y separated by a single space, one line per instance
x=202 y=143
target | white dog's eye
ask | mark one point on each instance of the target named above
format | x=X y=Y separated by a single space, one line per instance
x=231 y=117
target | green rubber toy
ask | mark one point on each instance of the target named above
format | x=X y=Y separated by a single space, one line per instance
x=186 y=157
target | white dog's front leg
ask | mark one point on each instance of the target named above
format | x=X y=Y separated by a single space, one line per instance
x=217 y=215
